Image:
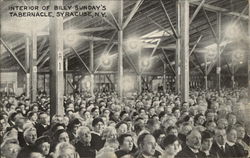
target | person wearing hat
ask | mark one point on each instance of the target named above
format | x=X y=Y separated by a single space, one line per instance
x=206 y=144
x=171 y=146
x=42 y=145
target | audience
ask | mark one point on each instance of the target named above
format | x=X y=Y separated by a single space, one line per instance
x=150 y=124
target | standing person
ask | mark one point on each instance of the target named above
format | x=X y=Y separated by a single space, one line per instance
x=193 y=144
x=97 y=142
x=83 y=146
x=171 y=146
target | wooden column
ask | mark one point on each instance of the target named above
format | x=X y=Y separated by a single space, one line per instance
x=120 y=51
x=91 y=48
x=249 y=52
x=164 y=77
x=184 y=48
x=205 y=77
x=218 y=69
x=33 y=66
x=56 y=62
x=27 y=65
x=178 y=52
x=66 y=75
x=139 y=79
x=233 y=72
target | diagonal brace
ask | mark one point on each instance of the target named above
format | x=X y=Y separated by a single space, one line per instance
x=79 y=57
x=13 y=55
x=107 y=76
x=199 y=64
x=132 y=13
x=160 y=27
x=131 y=62
x=168 y=61
x=45 y=53
x=169 y=20
x=210 y=25
x=196 y=11
x=195 y=45
x=108 y=47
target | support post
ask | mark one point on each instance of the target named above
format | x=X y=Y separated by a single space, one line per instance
x=33 y=66
x=233 y=72
x=120 y=53
x=164 y=77
x=184 y=48
x=205 y=77
x=139 y=78
x=177 y=53
x=91 y=48
x=66 y=75
x=56 y=62
x=27 y=62
x=218 y=69
x=249 y=53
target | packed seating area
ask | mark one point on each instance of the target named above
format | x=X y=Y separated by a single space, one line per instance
x=150 y=124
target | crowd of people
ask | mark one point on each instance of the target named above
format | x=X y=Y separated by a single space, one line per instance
x=146 y=125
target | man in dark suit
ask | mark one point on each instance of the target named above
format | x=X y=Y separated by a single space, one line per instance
x=147 y=143
x=97 y=142
x=236 y=148
x=247 y=135
x=83 y=146
x=220 y=148
x=43 y=124
x=30 y=137
x=206 y=144
x=193 y=144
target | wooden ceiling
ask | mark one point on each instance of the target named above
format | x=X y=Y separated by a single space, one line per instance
x=150 y=17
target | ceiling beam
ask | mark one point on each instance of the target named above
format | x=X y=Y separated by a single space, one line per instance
x=132 y=13
x=196 y=11
x=13 y=55
x=169 y=20
x=216 y=9
x=79 y=57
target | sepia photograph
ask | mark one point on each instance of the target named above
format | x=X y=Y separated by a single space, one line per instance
x=125 y=79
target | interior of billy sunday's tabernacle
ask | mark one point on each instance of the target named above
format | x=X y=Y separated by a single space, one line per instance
x=124 y=78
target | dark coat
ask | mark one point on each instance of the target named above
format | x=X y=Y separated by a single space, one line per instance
x=96 y=142
x=239 y=151
x=203 y=155
x=26 y=151
x=188 y=153
x=41 y=129
x=247 y=139
x=140 y=155
x=120 y=153
x=218 y=152
x=85 y=151
x=20 y=138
